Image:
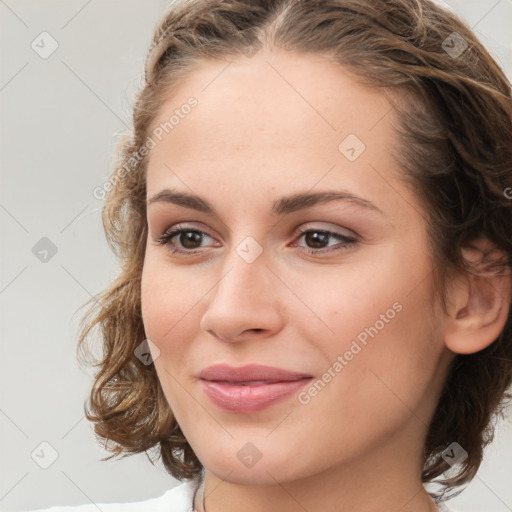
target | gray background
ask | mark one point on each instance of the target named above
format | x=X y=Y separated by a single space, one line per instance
x=59 y=118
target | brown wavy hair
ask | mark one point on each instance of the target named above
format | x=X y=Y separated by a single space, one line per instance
x=455 y=152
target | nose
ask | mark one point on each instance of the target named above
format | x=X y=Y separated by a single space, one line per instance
x=248 y=301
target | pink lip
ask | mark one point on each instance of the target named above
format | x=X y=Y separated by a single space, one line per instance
x=239 y=398
x=248 y=372
x=225 y=386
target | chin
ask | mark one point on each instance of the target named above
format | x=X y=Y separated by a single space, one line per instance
x=266 y=471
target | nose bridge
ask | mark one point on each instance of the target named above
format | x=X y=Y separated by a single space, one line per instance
x=245 y=272
x=245 y=297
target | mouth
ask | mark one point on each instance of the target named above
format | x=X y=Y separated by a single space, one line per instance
x=250 y=396
x=250 y=373
x=250 y=382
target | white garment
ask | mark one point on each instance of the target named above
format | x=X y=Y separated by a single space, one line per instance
x=177 y=499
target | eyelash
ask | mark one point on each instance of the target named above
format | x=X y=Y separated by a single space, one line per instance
x=166 y=238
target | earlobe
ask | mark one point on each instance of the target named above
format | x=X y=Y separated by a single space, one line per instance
x=481 y=303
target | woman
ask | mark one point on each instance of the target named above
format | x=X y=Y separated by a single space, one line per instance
x=313 y=224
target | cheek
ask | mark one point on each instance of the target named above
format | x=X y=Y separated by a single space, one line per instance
x=167 y=306
x=170 y=306
x=383 y=348
x=392 y=364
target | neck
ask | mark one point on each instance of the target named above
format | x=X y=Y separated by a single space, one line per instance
x=418 y=502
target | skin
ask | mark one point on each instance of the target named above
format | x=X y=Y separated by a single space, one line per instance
x=262 y=129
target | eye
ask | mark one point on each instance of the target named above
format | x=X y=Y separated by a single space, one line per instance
x=319 y=239
x=189 y=239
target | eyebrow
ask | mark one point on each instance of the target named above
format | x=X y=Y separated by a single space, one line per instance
x=282 y=206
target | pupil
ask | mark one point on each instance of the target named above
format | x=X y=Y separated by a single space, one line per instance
x=316 y=237
x=190 y=237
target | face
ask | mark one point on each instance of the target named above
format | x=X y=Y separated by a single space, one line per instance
x=339 y=290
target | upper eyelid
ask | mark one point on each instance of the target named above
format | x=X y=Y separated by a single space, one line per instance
x=346 y=205
x=334 y=230
x=183 y=226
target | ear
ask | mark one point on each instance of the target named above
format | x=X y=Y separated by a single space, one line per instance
x=480 y=304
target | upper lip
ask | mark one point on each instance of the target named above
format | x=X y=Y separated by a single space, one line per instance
x=250 y=372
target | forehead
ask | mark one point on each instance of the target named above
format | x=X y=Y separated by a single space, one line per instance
x=280 y=99
x=272 y=121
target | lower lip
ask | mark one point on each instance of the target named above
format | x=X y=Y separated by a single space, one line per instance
x=250 y=398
